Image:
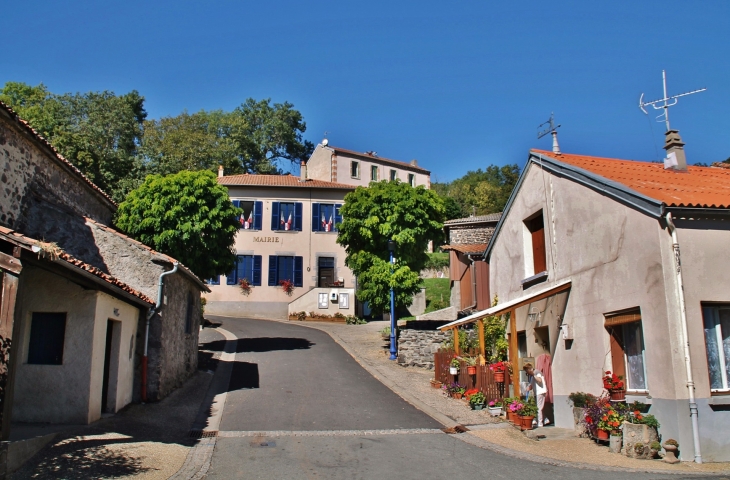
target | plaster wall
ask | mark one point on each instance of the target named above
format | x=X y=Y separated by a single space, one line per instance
x=616 y=258
x=70 y=392
x=309 y=302
x=31 y=176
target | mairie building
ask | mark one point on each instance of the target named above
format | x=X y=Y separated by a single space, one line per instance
x=288 y=236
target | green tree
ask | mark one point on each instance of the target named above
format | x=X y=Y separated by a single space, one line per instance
x=96 y=131
x=389 y=210
x=186 y=215
x=480 y=191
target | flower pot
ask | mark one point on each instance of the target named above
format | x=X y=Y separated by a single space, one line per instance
x=453 y=370
x=457 y=395
x=499 y=377
x=615 y=444
x=618 y=395
x=670 y=453
x=579 y=414
x=602 y=434
x=495 y=411
x=477 y=407
x=471 y=369
x=512 y=417
x=526 y=422
x=436 y=384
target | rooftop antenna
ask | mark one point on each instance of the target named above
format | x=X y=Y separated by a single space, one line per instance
x=668 y=101
x=325 y=142
x=553 y=129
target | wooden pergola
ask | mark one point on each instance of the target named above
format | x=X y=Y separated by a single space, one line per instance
x=507 y=307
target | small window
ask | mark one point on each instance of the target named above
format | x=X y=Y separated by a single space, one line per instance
x=535 y=260
x=355 y=169
x=286 y=216
x=47 y=332
x=326 y=217
x=248 y=267
x=374 y=173
x=627 y=348
x=717 y=344
x=285 y=268
x=250 y=218
x=393 y=175
x=411 y=180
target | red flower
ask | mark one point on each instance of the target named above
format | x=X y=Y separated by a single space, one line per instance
x=589 y=420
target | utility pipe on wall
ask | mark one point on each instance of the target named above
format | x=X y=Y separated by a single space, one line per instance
x=150 y=314
x=693 y=412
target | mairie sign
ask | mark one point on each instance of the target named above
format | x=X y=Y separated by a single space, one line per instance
x=266 y=239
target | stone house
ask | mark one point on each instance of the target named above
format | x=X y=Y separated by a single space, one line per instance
x=76 y=295
x=586 y=260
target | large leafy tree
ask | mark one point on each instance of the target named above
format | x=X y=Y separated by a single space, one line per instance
x=479 y=192
x=187 y=215
x=99 y=132
x=389 y=210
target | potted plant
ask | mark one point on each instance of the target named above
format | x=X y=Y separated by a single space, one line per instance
x=471 y=365
x=639 y=428
x=639 y=450
x=477 y=400
x=497 y=370
x=610 y=422
x=454 y=390
x=245 y=286
x=593 y=413
x=287 y=286
x=615 y=385
x=436 y=383
x=515 y=408
x=615 y=441
x=654 y=449
x=670 y=448
x=495 y=408
x=454 y=366
x=580 y=401
x=527 y=415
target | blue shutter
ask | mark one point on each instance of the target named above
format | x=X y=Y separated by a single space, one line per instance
x=274 y=216
x=258 y=214
x=338 y=216
x=231 y=276
x=298 y=216
x=298 y=273
x=237 y=204
x=256 y=281
x=272 y=269
x=315 y=217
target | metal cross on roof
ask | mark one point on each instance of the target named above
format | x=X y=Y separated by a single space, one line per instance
x=668 y=101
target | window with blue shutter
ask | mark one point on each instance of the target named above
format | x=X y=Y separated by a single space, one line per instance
x=286 y=268
x=338 y=216
x=298 y=274
x=286 y=216
x=248 y=267
x=315 y=217
x=231 y=276
x=257 y=270
x=325 y=217
x=251 y=216
x=258 y=214
x=272 y=270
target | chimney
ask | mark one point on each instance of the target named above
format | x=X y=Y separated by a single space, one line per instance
x=220 y=171
x=676 y=159
x=303 y=171
x=414 y=162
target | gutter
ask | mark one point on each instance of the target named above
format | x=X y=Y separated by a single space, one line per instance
x=693 y=411
x=151 y=313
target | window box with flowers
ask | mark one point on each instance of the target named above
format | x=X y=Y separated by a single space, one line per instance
x=615 y=386
x=495 y=408
x=287 y=286
x=245 y=286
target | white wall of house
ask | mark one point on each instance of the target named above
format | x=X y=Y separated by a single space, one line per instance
x=616 y=258
x=71 y=392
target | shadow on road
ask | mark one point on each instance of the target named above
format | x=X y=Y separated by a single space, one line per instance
x=261 y=344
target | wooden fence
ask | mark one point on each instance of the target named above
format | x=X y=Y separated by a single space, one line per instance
x=483 y=380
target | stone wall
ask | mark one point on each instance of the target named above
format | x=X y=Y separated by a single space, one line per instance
x=469 y=234
x=416 y=347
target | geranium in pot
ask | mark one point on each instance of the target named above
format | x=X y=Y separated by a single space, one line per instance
x=477 y=400
x=615 y=385
x=454 y=366
x=515 y=409
x=497 y=370
x=593 y=414
x=245 y=286
x=610 y=424
x=287 y=286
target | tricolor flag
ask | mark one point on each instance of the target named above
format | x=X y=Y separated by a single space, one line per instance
x=287 y=225
x=248 y=223
x=327 y=225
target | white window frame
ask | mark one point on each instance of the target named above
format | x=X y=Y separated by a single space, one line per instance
x=356 y=164
x=721 y=350
x=643 y=362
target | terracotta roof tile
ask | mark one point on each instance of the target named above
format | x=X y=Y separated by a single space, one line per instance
x=397 y=163
x=470 y=248
x=700 y=187
x=278 y=181
x=492 y=217
x=28 y=243
x=26 y=126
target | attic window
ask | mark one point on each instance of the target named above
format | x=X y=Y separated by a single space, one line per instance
x=355 y=169
x=534 y=245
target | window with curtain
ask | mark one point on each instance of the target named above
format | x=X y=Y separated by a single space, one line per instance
x=717 y=344
x=627 y=348
x=326 y=217
x=286 y=216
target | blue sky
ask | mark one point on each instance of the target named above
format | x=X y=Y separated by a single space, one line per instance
x=456 y=85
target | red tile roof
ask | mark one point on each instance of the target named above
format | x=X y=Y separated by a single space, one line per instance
x=471 y=248
x=28 y=243
x=278 y=181
x=368 y=156
x=704 y=187
x=45 y=143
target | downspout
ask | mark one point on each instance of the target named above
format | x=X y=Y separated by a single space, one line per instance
x=151 y=313
x=693 y=413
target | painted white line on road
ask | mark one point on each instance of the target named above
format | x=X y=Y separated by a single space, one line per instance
x=327 y=433
x=228 y=356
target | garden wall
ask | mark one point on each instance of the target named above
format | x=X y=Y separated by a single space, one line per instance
x=416 y=347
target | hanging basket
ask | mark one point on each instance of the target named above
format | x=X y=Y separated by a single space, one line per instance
x=499 y=377
x=618 y=395
x=453 y=370
x=471 y=369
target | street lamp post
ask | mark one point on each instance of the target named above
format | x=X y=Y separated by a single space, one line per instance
x=393 y=346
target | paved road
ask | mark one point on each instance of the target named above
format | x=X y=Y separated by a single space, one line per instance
x=300 y=407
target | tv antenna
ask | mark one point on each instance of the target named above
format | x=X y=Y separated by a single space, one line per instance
x=325 y=142
x=552 y=129
x=668 y=101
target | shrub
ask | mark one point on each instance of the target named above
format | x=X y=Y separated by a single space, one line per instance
x=656 y=445
x=582 y=399
x=672 y=441
x=353 y=320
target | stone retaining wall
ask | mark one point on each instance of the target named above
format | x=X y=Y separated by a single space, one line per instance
x=416 y=347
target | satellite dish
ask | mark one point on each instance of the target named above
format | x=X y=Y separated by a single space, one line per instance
x=325 y=142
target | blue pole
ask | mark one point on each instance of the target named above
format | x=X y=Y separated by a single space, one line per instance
x=393 y=346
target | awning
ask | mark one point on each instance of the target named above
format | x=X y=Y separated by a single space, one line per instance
x=512 y=304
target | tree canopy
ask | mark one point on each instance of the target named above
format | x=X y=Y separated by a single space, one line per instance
x=478 y=192
x=186 y=215
x=389 y=210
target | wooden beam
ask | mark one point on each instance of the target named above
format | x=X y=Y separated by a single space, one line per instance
x=456 y=341
x=8 y=294
x=482 y=347
x=513 y=358
x=11 y=264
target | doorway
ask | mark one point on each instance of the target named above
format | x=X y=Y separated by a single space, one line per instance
x=111 y=367
x=326 y=271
